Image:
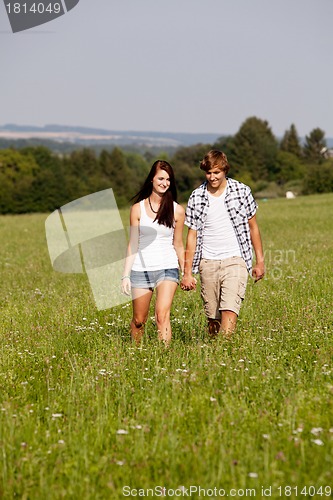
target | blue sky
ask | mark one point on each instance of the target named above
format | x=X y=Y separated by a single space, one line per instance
x=173 y=66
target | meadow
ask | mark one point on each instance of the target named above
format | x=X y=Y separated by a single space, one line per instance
x=84 y=414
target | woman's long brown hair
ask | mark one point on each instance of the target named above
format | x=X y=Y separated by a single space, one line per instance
x=165 y=214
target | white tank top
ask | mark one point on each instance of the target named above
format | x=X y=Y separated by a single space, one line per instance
x=219 y=237
x=156 y=250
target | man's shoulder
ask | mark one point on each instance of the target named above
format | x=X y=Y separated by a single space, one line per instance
x=238 y=185
x=200 y=190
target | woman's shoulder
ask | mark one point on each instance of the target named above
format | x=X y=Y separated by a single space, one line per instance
x=179 y=210
x=136 y=209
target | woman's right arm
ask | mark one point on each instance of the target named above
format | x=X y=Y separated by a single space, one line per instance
x=132 y=248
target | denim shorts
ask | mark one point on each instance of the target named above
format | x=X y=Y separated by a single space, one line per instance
x=150 y=279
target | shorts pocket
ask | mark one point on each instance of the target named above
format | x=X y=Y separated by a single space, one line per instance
x=241 y=291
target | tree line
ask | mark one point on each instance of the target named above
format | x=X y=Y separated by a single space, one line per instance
x=36 y=179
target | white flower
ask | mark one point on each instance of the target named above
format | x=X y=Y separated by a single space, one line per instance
x=212 y=399
x=316 y=430
x=253 y=474
x=56 y=415
x=122 y=431
x=317 y=442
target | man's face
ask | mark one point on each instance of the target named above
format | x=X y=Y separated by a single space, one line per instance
x=215 y=177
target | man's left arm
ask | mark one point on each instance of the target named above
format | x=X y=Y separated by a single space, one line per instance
x=258 y=270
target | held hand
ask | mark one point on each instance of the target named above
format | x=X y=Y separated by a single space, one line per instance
x=126 y=285
x=258 y=272
x=188 y=283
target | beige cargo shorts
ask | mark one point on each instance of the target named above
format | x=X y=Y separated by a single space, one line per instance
x=223 y=285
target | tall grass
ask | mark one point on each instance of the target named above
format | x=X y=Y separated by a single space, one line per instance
x=85 y=414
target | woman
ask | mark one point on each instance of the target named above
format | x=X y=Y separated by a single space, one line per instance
x=155 y=251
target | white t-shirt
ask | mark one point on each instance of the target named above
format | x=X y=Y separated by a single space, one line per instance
x=219 y=237
x=156 y=250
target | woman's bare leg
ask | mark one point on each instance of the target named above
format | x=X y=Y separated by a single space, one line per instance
x=165 y=292
x=140 y=303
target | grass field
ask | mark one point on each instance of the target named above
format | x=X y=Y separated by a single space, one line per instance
x=86 y=415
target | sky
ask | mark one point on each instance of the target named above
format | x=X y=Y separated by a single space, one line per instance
x=200 y=66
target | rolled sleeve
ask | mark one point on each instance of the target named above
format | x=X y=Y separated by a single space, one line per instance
x=190 y=218
x=251 y=204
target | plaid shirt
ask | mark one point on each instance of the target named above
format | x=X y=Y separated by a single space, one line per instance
x=240 y=205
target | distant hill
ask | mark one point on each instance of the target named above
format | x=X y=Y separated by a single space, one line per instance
x=68 y=137
x=95 y=136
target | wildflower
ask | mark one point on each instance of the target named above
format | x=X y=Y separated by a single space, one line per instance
x=212 y=399
x=56 y=415
x=280 y=456
x=121 y=431
x=316 y=430
x=253 y=474
x=317 y=442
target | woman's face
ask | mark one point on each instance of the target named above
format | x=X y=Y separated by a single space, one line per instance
x=161 y=181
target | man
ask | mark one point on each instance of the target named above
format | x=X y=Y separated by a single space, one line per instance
x=221 y=217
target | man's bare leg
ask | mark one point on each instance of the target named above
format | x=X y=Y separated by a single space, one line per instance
x=214 y=326
x=228 y=324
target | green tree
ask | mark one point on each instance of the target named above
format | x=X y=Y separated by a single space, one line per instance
x=290 y=142
x=120 y=177
x=319 y=178
x=288 y=167
x=314 y=143
x=49 y=184
x=139 y=169
x=254 y=149
x=84 y=165
x=17 y=173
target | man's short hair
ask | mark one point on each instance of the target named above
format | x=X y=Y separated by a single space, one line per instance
x=215 y=159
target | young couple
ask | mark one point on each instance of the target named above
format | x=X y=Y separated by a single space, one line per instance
x=222 y=229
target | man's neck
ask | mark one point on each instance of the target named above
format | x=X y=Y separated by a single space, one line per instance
x=219 y=190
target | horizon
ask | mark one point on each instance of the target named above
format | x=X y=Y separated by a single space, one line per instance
x=23 y=130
